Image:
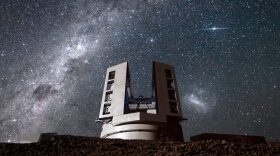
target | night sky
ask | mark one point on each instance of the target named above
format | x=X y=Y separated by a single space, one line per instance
x=54 y=56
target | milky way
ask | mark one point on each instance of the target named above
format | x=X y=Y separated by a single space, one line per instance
x=54 y=55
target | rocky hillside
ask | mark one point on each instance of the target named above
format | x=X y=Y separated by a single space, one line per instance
x=73 y=145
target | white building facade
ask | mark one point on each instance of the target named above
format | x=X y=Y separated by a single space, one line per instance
x=126 y=117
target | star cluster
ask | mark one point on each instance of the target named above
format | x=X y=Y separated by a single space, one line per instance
x=54 y=55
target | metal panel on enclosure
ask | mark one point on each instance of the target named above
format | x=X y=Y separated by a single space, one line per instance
x=114 y=91
x=165 y=90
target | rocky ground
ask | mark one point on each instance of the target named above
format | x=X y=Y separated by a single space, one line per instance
x=73 y=145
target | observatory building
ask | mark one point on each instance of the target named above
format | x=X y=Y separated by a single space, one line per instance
x=126 y=117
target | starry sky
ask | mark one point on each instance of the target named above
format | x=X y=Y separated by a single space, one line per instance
x=54 y=55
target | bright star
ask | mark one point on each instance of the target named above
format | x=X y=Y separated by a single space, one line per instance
x=214 y=29
x=79 y=46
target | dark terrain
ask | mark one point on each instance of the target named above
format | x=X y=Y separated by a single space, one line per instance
x=74 y=145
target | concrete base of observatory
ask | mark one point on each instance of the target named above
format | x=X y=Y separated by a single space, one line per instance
x=130 y=131
x=138 y=125
x=141 y=126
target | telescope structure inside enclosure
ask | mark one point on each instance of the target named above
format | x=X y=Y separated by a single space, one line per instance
x=126 y=117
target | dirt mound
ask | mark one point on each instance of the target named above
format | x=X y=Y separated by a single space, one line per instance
x=75 y=145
